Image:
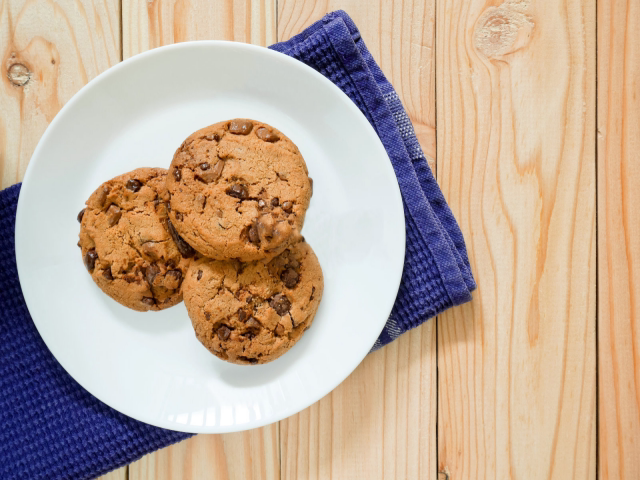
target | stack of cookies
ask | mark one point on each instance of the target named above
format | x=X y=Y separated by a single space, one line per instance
x=221 y=229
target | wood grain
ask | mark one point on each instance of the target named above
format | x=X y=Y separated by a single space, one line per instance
x=247 y=455
x=400 y=36
x=150 y=24
x=120 y=473
x=49 y=50
x=619 y=239
x=516 y=111
x=380 y=422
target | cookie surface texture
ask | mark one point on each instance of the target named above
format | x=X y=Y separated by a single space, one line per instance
x=252 y=313
x=126 y=242
x=239 y=189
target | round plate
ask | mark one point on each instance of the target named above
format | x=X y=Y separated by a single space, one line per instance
x=150 y=365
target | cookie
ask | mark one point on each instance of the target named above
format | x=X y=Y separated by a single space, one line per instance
x=252 y=313
x=128 y=245
x=239 y=189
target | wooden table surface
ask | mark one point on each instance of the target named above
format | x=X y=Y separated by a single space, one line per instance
x=529 y=111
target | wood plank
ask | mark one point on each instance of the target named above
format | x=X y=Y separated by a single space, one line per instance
x=149 y=24
x=516 y=111
x=49 y=50
x=380 y=422
x=121 y=473
x=400 y=36
x=618 y=239
x=247 y=455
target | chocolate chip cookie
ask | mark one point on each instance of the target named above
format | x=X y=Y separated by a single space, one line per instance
x=128 y=244
x=239 y=189
x=252 y=313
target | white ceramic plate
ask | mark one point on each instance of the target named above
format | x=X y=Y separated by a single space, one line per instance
x=150 y=365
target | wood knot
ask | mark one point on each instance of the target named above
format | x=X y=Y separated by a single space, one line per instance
x=18 y=74
x=504 y=29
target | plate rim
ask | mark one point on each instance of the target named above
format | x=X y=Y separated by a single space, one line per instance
x=21 y=223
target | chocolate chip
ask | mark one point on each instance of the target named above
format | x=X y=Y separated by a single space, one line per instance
x=240 y=126
x=252 y=323
x=275 y=202
x=313 y=289
x=199 y=274
x=152 y=271
x=179 y=216
x=238 y=191
x=287 y=206
x=217 y=169
x=224 y=332
x=279 y=329
x=214 y=136
x=265 y=225
x=207 y=316
x=281 y=232
x=280 y=304
x=242 y=315
x=172 y=279
x=267 y=135
x=113 y=215
x=262 y=204
x=80 y=215
x=311 y=184
x=290 y=278
x=107 y=274
x=90 y=259
x=149 y=301
x=293 y=263
x=200 y=202
x=250 y=360
x=207 y=176
x=254 y=238
x=152 y=249
x=249 y=299
x=185 y=249
x=177 y=174
x=134 y=186
x=253 y=328
x=102 y=196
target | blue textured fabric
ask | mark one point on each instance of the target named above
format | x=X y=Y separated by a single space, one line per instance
x=50 y=427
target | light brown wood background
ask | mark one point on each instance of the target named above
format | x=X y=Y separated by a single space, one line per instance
x=529 y=113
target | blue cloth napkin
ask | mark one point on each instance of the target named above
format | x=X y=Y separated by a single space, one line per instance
x=50 y=427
